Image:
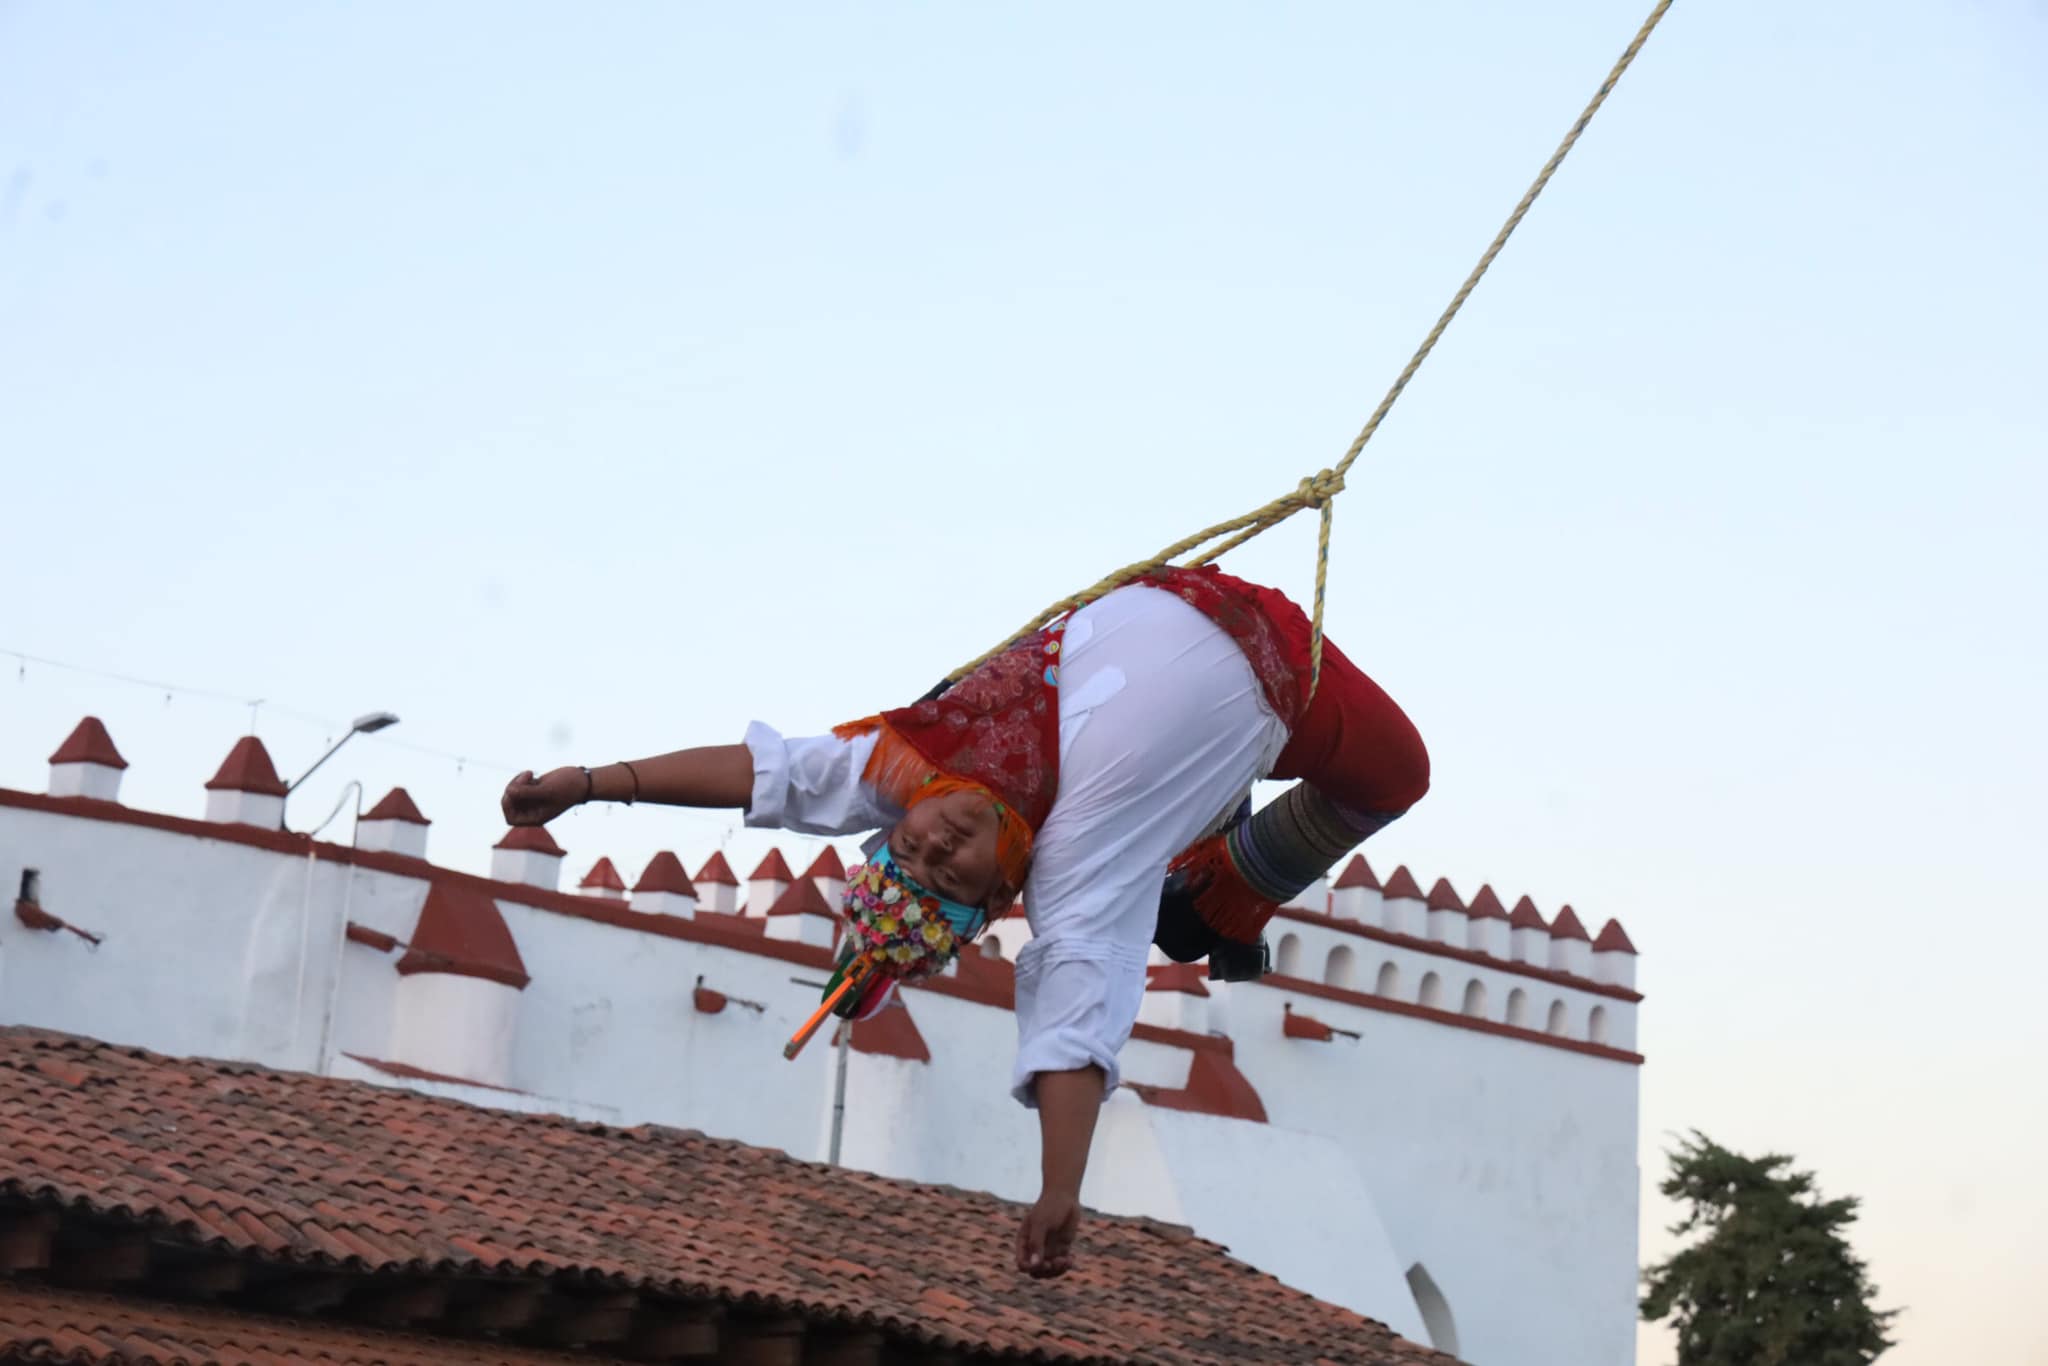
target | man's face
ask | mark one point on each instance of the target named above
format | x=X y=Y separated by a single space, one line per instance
x=948 y=845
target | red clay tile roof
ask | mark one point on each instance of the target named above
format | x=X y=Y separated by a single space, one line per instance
x=1485 y=905
x=247 y=769
x=1613 y=939
x=717 y=871
x=603 y=877
x=530 y=837
x=773 y=869
x=1527 y=917
x=319 y=1173
x=827 y=864
x=1357 y=873
x=1444 y=897
x=665 y=874
x=89 y=743
x=1567 y=926
x=462 y=932
x=803 y=898
x=396 y=805
x=42 y=1323
x=1402 y=886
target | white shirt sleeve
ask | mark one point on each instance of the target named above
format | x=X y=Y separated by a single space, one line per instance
x=1076 y=1003
x=813 y=786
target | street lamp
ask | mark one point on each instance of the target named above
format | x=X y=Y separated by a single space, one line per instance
x=363 y=725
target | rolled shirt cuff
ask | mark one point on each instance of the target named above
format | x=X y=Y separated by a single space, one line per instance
x=1077 y=1000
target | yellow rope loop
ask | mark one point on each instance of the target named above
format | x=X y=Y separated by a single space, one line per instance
x=1319 y=490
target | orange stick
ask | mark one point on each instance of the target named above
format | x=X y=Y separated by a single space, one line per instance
x=862 y=969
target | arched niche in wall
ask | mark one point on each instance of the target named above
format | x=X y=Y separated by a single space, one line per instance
x=1518 y=1008
x=1287 y=957
x=1432 y=992
x=1436 y=1310
x=1596 y=1025
x=991 y=946
x=1341 y=970
x=1389 y=983
x=1559 y=1020
x=1475 y=998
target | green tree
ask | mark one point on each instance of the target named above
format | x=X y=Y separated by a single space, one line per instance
x=1770 y=1281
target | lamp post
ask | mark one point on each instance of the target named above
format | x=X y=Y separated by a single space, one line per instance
x=368 y=724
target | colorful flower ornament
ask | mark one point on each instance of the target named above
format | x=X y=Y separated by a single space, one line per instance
x=912 y=932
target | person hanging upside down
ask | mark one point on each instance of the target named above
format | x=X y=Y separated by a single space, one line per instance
x=1102 y=769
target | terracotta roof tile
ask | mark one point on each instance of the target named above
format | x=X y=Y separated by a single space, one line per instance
x=1402 y=886
x=1526 y=917
x=717 y=872
x=827 y=864
x=462 y=932
x=396 y=805
x=534 y=838
x=773 y=869
x=250 y=1159
x=42 y=1323
x=603 y=877
x=1357 y=873
x=665 y=874
x=1613 y=939
x=89 y=743
x=1444 y=897
x=247 y=769
x=1485 y=905
x=1567 y=926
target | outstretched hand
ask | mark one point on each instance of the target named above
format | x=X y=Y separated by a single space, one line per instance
x=536 y=801
x=1045 y=1243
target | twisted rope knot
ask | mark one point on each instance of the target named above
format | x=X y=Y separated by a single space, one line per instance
x=1319 y=489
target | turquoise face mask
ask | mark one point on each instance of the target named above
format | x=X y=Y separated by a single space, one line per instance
x=965 y=920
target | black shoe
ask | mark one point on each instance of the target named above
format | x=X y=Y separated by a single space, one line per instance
x=1232 y=960
x=1185 y=937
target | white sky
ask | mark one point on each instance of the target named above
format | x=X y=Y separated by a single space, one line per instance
x=585 y=381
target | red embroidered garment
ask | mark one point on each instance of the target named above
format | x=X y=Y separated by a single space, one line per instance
x=999 y=727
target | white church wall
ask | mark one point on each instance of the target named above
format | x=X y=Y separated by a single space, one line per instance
x=614 y=1019
x=1506 y=1168
x=950 y=1120
x=455 y=1025
x=200 y=938
x=1319 y=1230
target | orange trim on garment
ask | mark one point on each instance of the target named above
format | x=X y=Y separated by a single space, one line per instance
x=901 y=772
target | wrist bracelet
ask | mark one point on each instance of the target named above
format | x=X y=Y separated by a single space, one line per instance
x=589 y=784
x=635 y=773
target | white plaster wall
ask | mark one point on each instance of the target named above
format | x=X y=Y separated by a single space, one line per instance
x=455 y=1025
x=1318 y=941
x=1508 y=1169
x=201 y=947
x=1319 y=1229
x=98 y=781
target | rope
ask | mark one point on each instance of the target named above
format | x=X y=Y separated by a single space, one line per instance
x=1320 y=490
